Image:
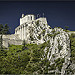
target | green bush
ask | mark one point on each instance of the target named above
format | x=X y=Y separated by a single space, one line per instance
x=53 y=31
x=39 y=37
x=51 y=35
x=72 y=38
x=59 y=47
x=43 y=32
x=37 y=22
x=50 y=28
x=18 y=61
x=59 y=63
x=31 y=38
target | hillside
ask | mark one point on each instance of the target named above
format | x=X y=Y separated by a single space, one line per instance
x=28 y=61
x=51 y=51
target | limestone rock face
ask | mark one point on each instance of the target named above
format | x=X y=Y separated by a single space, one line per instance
x=59 y=43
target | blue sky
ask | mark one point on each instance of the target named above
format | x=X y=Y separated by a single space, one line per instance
x=58 y=14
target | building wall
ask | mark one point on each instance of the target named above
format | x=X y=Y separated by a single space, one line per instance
x=11 y=40
x=26 y=18
x=22 y=30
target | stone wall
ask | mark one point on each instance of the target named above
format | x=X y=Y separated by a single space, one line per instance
x=11 y=40
x=26 y=18
x=23 y=29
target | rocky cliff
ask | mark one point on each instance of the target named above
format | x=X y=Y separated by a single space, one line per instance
x=58 y=49
x=49 y=51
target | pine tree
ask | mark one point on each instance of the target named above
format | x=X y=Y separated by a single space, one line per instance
x=1 y=28
x=6 y=29
x=1 y=32
x=1 y=41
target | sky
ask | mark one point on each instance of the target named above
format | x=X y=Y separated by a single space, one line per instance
x=58 y=14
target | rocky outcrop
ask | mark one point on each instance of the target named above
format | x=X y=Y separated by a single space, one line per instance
x=57 y=52
x=59 y=44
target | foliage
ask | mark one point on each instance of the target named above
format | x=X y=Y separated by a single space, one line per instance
x=59 y=47
x=59 y=63
x=24 y=43
x=52 y=67
x=18 y=61
x=51 y=35
x=4 y=29
x=56 y=33
x=37 y=22
x=43 y=31
x=39 y=37
x=31 y=38
x=50 y=28
x=53 y=31
x=66 y=27
x=72 y=38
x=1 y=41
x=1 y=28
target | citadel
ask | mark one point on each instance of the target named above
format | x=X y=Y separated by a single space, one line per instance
x=22 y=31
x=37 y=31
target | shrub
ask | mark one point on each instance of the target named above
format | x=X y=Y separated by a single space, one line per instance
x=37 y=22
x=43 y=32
x=39 y=37
x=24 y=43
x=31 y=38
x=59 y=47
x=59 y=62
x=53 y=31
x=50 y=28
x=51 y=35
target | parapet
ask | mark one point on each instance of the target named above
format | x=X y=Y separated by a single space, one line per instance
x=26 y=18
x=43 y=19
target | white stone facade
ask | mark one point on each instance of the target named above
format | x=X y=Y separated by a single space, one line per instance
x=25 y=22
x=26 y=18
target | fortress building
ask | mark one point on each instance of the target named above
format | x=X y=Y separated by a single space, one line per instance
x=25 y=22
x=22 y=32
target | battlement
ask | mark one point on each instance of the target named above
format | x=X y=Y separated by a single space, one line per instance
x=43 y=19
x=26 y=18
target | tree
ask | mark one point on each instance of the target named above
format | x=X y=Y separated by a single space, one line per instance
x=1 y=41
x=24 y=43
x=66 y=27
x=6 y=29
x=1 y=28
x=1 y=32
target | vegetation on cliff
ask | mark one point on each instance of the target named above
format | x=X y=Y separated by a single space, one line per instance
x=17 y=60
x=33 y=58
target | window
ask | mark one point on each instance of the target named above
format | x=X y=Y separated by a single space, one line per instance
x=31 y=17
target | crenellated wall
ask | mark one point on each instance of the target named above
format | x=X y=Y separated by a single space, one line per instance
x=26 y=18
